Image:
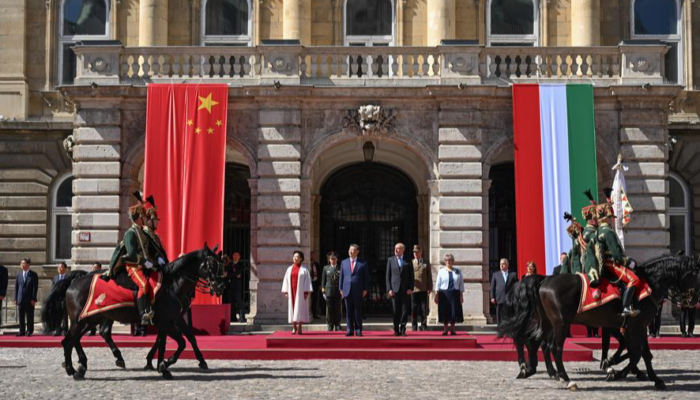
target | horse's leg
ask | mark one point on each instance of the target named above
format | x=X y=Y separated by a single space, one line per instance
x=68 y=345
x=547 y=352
x=161 y=353
x=605 y=347
x=82 y=357
x=646 y=354
x=185 y=329
x=618 y=357
x=561 y=328
x=149 y=357
x=106 y=333
x=175 y=333
x=521 y=361
x=634 y=338
x=533 y=346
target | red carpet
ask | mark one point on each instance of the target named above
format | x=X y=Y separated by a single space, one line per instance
x=662 y=343
x=317 y=345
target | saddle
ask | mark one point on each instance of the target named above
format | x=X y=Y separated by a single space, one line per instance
x=116 y=293
x=606 y=292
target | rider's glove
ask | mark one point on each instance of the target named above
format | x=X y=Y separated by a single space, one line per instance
x=161 y=261
x=148 y=264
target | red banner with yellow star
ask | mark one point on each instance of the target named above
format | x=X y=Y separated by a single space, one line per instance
x=185 y=165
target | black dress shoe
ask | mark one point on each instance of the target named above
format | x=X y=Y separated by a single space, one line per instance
x=57 y=333
x=20 y=334
x=444 y=333
x=690 y=335
x=30 y=334
x=359 y=334
x=453 y=333
x=403 y=333
x=348 y=334
x=684 y=335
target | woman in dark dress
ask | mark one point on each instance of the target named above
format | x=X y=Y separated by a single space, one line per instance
x=448 y=295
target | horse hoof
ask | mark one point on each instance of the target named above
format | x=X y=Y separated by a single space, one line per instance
x=121 y=364
x=572 y=386
x=79 y=374
x=659 y=385
x=163 y=368
x=562 y=380
x=70 y=371
x=167 y=375
x=554 y=376
x=203 y=365
x=604 y=365
x=149 y=367
x=530 y=373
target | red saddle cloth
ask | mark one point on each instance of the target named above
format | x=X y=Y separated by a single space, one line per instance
x=107 y=295
x=607 y=292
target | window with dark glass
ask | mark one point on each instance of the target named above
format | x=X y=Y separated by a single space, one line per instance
x=655 y=17
x=369 y=18
x=226 y=18
x=679 y=215
x=62 y=226
x=84 y=17
x=512 y=17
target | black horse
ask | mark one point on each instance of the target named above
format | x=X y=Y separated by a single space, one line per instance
x=554 y=303
x=179 y=280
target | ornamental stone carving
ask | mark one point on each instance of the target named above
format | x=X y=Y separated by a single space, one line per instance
x=68 y=145
x=370 y=120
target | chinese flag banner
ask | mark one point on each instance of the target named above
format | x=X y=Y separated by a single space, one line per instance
x=185 y=165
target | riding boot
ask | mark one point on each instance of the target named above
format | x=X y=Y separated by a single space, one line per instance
x=627 y=299
x=144 y=307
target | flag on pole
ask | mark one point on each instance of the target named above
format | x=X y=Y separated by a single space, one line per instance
x=621 y=204
x=185 y=165
x=555 y=162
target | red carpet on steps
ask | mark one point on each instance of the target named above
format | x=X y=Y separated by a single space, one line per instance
x=373 y=346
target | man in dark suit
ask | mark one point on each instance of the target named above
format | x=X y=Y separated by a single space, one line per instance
x=237 y=272
x=562 y=260
x=26 y=288
x=399 y=284
x=61 y=275
x=501 y=282
x=3 y=289
x=354 y=286
x=316 y=275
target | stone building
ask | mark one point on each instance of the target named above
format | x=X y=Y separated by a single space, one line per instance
x=390 y=120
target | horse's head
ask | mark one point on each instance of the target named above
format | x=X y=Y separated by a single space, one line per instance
x=685 y=287
x=211 y=270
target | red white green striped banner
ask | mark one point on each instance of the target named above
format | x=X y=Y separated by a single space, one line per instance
x=555 y=162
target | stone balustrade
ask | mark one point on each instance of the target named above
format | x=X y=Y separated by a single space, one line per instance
x=369 y=66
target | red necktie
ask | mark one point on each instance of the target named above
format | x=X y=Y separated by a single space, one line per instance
x=352 y=266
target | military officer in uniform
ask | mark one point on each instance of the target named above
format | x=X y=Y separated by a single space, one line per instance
x=134 y=254
x=152 y=220
x=613 y=258
x=572 y=264
x=331 y=292
x=588 y=244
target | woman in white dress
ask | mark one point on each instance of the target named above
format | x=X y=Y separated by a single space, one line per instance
x=296 y=288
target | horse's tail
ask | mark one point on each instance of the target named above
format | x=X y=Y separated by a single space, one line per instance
x=520 y=319
x=54 y=310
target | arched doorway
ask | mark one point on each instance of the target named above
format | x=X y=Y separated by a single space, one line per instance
x=237 y=219
x=375 y=206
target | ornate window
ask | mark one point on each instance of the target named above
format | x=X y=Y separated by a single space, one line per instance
x=512 y=23
x=369 y=22
x=79 y=20
x=660 y=20
x=227 y=23
x=61 y=218
x=679 y=214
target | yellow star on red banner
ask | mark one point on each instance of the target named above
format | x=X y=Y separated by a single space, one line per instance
x=207 y=103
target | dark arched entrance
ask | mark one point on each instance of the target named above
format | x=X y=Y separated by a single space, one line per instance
x=237 y=218
x=375 y=206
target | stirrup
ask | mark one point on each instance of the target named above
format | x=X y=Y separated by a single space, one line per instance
x=629 y=311
x=147 y=318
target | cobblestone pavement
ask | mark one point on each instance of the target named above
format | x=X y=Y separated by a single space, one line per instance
x=36 y=373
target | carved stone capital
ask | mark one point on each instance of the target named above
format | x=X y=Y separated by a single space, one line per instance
x=370 y=120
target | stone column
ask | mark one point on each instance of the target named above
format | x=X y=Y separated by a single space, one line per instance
x=14 y=88
x=96 y=168
x=282 y=226
x=456 y=216
x=585 y=22
x=153 y=23
x=441 y=21
x=296 y=23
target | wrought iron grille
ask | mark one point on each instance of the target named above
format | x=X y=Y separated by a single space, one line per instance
x=237 y=219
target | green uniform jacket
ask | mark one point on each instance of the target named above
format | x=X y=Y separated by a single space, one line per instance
x=590 y=235
x=573 y=263
x=330 y=279
x=610 y=247
x=156 y=246
x=133 y=249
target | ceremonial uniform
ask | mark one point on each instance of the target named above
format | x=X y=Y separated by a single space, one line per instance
x=588 y=248
x=613 y=259
x=572 y=263
x=329 y=285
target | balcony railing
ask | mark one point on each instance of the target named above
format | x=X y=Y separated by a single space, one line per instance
x=369 y=66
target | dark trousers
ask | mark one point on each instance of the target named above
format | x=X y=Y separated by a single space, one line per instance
x=687 y=319
x=26 y=318
x=353 y=313
x=419 y=308
x=655 y=325
x=499 y=310
x=402 y=309
x=333 y=313
x=236 y=300
x=317 y=302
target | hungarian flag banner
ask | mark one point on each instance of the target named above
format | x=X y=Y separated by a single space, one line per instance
x=185 y=165
x=555 y=162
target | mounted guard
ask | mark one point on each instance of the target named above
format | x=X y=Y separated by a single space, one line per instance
x=135 y=253
x=572 y=264
x=613 y=258
x=589 y=243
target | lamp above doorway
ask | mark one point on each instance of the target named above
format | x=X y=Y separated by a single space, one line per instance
x=368 y=152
